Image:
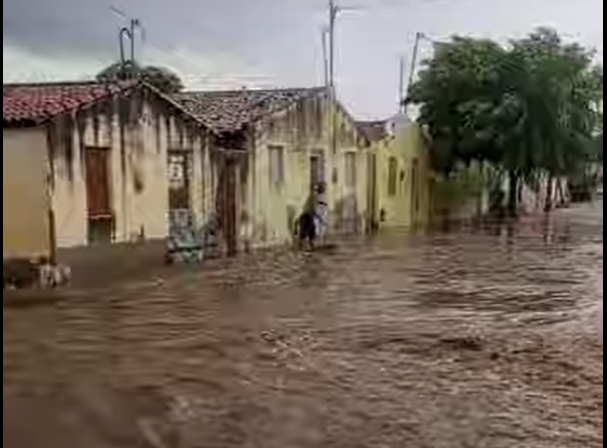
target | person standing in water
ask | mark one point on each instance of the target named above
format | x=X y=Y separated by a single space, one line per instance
x=321 y=212
x=312 y=222
x=306 y=224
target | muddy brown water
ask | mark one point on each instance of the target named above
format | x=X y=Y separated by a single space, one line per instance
x=467 y=339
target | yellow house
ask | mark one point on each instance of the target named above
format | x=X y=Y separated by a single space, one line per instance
x=278 y=145
x=399 y=174
x=87 y=164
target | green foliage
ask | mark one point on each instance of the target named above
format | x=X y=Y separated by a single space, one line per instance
x=526 y=107
x=160 y=77
x=464 y=185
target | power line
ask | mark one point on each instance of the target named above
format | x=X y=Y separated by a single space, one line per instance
x=200 y=73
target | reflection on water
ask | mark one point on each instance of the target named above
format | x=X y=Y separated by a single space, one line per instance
x=464 y=339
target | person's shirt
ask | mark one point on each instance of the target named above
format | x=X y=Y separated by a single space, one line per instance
x=321 y=201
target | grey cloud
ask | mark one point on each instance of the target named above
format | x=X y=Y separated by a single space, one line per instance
x=281 y=38
x=57 y=27
x=275 y=37
x=85 y=26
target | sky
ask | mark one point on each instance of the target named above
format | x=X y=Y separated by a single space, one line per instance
x=217 y=44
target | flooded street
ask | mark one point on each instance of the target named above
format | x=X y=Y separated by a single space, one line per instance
x=460 y=340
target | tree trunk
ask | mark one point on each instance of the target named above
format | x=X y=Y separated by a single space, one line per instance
x=480 y=209
x=548 y=204
x=513 y=194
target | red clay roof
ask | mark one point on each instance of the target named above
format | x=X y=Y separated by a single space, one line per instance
x=232 y=110
x=36 y=103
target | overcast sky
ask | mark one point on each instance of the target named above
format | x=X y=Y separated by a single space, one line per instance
x=261 y=43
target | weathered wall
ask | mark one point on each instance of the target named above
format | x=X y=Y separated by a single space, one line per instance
x=138 y=131
x=348 y=202
x=410 y=204
x=302 y=132
x=25 y=219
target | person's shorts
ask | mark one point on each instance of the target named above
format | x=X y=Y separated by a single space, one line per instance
x=307 y=227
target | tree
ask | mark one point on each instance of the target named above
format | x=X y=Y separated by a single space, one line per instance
x=528 y=107
x=162 y=78
x=458 y=91
x=597 y=154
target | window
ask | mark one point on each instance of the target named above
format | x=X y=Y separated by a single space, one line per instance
x=277 y=165
x=392 y=176
x=351 y=170
x=317 y=169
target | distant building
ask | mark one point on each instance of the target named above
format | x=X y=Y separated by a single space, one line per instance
x=277 y=146
x=399 y=178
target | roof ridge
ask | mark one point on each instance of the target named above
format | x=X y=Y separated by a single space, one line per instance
x=253 y=90
x=225 y=110
x=54 y=83
x=38 y=102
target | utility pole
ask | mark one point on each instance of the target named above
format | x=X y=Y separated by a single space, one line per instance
x=401 y=85
x=418 y=38
x=334 y=11
x=127 y=32
x=325 y=56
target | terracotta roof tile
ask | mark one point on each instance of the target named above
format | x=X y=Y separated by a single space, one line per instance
x=35 y=103
x=232 y=110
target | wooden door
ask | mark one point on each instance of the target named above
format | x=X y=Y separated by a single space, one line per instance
x=372 y=200
x=350 y=206
x=227 y=204
x=98 y=193
x=415 y=192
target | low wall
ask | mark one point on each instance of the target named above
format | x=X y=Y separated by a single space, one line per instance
x=101 y=265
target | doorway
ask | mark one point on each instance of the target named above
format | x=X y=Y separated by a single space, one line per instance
x=100 y=215
x=227 y=207
x=372 y=200
x=317 y=169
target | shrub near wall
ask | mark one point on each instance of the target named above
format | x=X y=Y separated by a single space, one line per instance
x=464 y=194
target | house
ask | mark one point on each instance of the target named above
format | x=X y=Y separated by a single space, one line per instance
x=275 y=146
x=399 y=174
x=87 y=163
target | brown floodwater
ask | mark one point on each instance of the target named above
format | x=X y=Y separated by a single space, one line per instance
x=467 y=339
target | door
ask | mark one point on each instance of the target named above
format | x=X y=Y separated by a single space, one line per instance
x=98 y=195
x=350 y=206
x=227 y=204
x=372 y=209
x=317 y=169
x=415 y=192
x=97 y=166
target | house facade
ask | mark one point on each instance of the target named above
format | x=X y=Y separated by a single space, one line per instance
x=88 y=163
x=275 y=146
x=399 y=179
